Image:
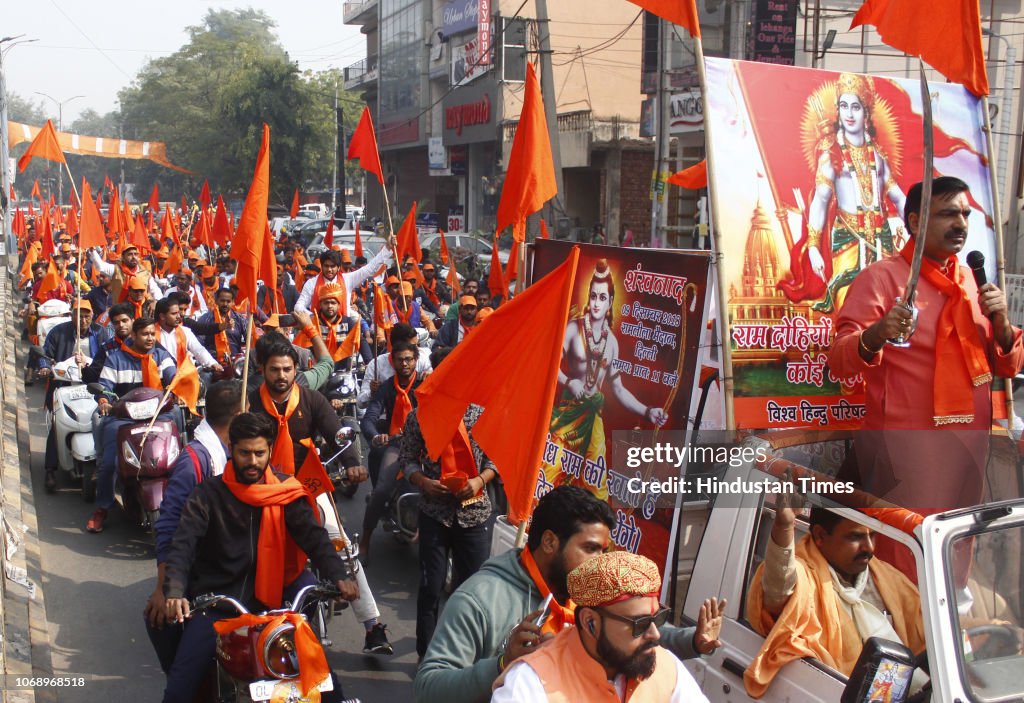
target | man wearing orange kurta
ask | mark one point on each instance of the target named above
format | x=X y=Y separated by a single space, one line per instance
x=942 y=380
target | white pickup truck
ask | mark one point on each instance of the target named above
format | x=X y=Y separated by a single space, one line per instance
x=722 y=541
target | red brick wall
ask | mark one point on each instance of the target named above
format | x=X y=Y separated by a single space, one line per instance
x=635 y=193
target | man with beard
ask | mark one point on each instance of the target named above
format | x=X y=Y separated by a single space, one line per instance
x=612 y=653
x=128 y=269
x=179 y=340
x=454 y=331
x=473 y=642
x=143 y=363
x=437 y=293
x=231 y=339
x=823 y=596
x=328 y=322
x=245 y=534
x=330 y=265
x=380 y=369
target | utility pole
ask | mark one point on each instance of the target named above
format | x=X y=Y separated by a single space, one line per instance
x=337 y=126
x=547 y=87
x=659 y=208
x=5 y=157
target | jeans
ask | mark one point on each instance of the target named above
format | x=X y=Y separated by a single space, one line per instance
x=383 y=488
x=191 y=650
x=470 y=547
x=50 y=460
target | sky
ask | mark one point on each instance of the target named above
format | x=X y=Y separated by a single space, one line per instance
x=95 y=48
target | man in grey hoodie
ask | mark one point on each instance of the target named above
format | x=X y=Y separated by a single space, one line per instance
x=489 y=621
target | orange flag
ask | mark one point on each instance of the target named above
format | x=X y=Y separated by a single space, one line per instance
x=44 y=146
x=113 y=218
x=202 y=232
x=35 y=191
x=383 y=313
x=694 y=177
x=247 y=247
x=444 y=248
x=30 y=258
x=530 y=180
x=127 y=219
x=349 y=345
x=140 y=236
x=363 y=146
x=512 y=267
x=51 y=281
x=477 y=371
x=72 y=223
x=91 y=229
x=185 y=384
x=408 y=239
x=221 y=226
x=453 y=280
x=312 y=474
x=268 y=268
x=359 y=242
x=167 y=228
x=496 y=277
x=945 y=34
x=204 y=196
x=544 y=230
x=154 y=199
x=329 y=236
x=46 y=234
x=174 y=260
x=681 y=12
x=294 y=212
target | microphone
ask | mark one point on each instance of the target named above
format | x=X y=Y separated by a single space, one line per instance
x=976 y=260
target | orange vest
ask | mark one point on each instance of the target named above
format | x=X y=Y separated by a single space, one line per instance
x=570 y=675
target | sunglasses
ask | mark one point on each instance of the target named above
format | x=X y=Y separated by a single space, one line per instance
x=642 y=623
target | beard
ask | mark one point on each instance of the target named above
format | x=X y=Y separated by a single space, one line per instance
x=245 y=480
x=638 y=665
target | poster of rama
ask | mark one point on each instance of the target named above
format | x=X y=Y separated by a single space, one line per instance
x=811 y=172
x=629 y=359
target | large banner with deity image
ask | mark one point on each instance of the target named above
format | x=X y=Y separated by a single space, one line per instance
x=811 y=174
x=629 y=362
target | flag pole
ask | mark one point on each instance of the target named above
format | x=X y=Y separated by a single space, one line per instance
x=719 y=255
x=245 y=364
x=394 y=249
x=81 y=265
x=997 y=220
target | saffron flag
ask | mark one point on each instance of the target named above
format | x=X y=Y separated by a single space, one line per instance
x=363 y=146
x=544 y=230
x=512 y=267
x=408 y=238
x=312 y=474
x=477 y=371
x=681 y=12
x=694 y=177
x=329 y=237
x=140 y=237
x=154 y=199
x=31 y=257
x=383 y=312
x=268 y=269
x=35 y=191
x=90 y=230
x=51 y=281
x=496 y=282
x=349 y=345
x=947 y=35
x=359 y=242
x=204 y=196
x=530 y=180
x=445 y=257
x=221 y=226
x=453 y=281
x=185 y=384
x=44 y=146
x=248 y=244
x=294 y=212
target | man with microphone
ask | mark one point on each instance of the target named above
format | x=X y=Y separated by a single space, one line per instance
x=961 y=340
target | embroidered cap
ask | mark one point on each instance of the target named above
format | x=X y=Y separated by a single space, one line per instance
x=613 y=577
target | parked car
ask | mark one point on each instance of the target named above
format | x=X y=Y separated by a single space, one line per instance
x=346 y=238
x=315 y=210
x=462 y=245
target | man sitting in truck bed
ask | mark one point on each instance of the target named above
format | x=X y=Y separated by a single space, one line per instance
x=825 y=596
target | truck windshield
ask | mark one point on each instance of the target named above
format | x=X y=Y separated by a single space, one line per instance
x=985 y=573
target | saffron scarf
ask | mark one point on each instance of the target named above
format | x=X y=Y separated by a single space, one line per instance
x=220 y=340
x=458 y=464
x=562 y=616
x=959 y=352
x=150 y=370
x=283 y=456
x=403 y=405
x=278 y=559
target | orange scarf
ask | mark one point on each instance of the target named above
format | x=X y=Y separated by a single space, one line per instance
x=278 y=559
x=283 y=456
x=458 y=464
x=182 y=350
x=403 y=405
x=958 y=350
x=138 y=308
x=220 y=340
x=403 y=315
x=562 y=616
x=150 y=370
x=431 y=291
x=313 y=669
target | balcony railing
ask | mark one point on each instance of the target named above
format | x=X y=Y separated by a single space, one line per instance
x=361 y=72
x=357 y=11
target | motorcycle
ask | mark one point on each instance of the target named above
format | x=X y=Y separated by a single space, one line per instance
x=343 y=385
x=73 y=408
x=147 y=452
x=259 y=662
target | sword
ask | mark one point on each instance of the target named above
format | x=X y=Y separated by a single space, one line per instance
x=926 y=200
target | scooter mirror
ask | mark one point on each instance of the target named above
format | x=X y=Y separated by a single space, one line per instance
x=345 y=435
x=96 y=388
x=883 y=665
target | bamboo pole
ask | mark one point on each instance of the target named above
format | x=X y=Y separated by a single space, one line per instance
x=245 y=365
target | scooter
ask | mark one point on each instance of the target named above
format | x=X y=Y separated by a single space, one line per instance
x=48 y=315
x=259 y=662
x=146 y=453
x=73 y=408
x=343 y=385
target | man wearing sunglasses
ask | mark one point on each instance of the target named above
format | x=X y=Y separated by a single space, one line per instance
x=614 y=647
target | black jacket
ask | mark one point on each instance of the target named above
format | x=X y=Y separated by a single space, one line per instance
x=377 y=418
x=214 y=547
x=448 y=335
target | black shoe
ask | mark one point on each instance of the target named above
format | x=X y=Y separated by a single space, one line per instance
x=51 y=481
x=377 y=641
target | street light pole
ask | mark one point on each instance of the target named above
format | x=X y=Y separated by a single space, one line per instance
x=60 y=128
x=5 y=160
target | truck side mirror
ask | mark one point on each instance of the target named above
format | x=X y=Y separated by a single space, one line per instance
x=883 y=672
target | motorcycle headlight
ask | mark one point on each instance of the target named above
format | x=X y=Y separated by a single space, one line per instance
x=130 y=456
x=280 y=658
